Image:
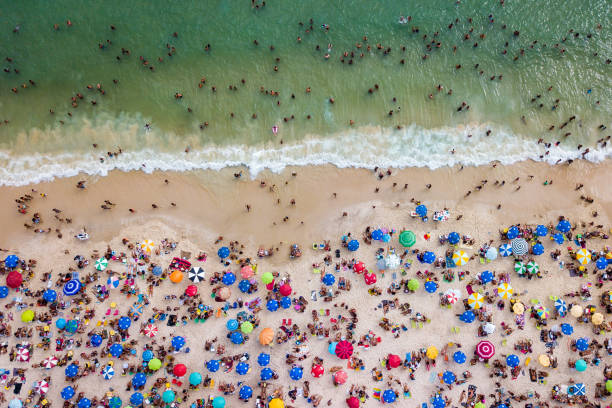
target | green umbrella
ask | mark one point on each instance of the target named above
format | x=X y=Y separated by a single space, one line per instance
x=407 y=238
x=533 y=267
x=519 y=267
x=609 y=385
x=246 y=327
x=155 y=364
x=413 y=284
x=101 y=264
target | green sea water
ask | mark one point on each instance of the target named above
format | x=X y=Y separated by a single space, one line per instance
x=560 y=45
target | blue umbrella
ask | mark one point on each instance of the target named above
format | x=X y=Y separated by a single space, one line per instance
x=11 y=261
x=428 y=257
x=513 y=360
x=486 y=276
x=84 y=403
x=72 y=326
x=96 y=340
x=459 y=357
x=136 y=399
x=232 y=324
x=558 y=238
x=353 y=245
x=4 y=291
x=538 y=249
x=296 y=373
x=147 y=355
x=582 y=344
x=116 y=350
x=71 y=371
x=244 y=285
x=245 y=392
x=561 y=307
x=223 y=252
x=449 y=377
x=505 y=249
x=139 y=380
x=513 y=232
x=467 y=317
x=157 y=270
x=50 y=295
x=272 y=305
x=72 y=287
x=229 y=278
x=541 y=231
x=389 y=396
x=242 y=368
x=431 y=286
x=329 y=279
x=386 y=238
x=212 y=366
x=67 y=393
x=564 y=226
x=567 y=329
x=377 y=235
x=236 y=337
x=115 y=402
x=125 y=323
x=438 y=402
x=579 y=389
x=60 y=323
x=601 y=263
x=266 y=374
x=454 y=238
x=421 y=210
x=178 y=342
x=285 y=302
x=263 y=359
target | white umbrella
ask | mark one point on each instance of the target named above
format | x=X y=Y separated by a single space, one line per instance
x=101 y=264
x=42 y=387
x=108 y=372
x=491 y=253
x=488 y=328
x=393 y=261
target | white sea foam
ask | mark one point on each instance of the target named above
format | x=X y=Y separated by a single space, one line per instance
x=364 y=148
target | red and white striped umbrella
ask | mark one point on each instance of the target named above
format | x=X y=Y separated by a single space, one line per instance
x=150 y=330
x=42 y=387
x=485 y=349
x=23 y=354
x=50 y=362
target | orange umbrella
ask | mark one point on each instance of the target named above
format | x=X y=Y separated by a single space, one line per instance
x=266 y=336
x=176 y=276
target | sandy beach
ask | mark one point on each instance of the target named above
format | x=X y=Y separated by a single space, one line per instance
x=197 y=213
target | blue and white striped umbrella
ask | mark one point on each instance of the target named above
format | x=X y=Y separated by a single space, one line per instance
x=561 y=306
x=72 y=287
x=505 y=250
x=108 y=372
x=519 y=246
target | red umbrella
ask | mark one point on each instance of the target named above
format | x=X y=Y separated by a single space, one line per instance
x=179 y=370
x=191 y=290
x=14 y=279
x=270 y=286
x=352 y=402
x=344 y=349
x=340 y=377
x=317 y=370
x=369 y=278
x=359 y=267
x=393 y=361
x=485 y=349
x=285 y=289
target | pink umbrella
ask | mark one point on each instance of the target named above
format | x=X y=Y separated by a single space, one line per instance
x=150 y=330
x=23 y=354
x=246 y=272
x=485 y=349
x=369 y=278
x=344 y=349
x=317 y=370
x=42 y=387
x=50 y=362
x=340 y=377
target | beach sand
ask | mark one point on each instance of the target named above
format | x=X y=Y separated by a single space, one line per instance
x=211 y=204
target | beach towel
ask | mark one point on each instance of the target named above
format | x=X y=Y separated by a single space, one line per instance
x=376 y=393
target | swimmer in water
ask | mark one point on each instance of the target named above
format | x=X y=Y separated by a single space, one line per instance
x=147 y=127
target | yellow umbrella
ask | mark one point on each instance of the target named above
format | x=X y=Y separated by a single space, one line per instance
x=276 y=403
x=597 y=318
x=518 y=308
x=460 y=258
x=576 y=311
x=432 y=352
x=504 y=290
x=475 y=300
x=147 y=245
x=544 y=360
x=583 y=256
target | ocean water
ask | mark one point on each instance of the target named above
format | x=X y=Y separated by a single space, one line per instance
x=559 y=52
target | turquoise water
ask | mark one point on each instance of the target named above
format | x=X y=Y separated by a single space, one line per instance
x=38 y=145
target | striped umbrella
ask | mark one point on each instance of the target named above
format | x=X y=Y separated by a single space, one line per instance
x=504 y=290
x=452 y=296
x=475 y=300
x=23 y=354
x=519 y=246
x=50 y=362
x=542 y=312
x=583 y=256
x=533 y=267
x=150 y=330
x=460 y=258
x=519 y=267
x=196 y=274
x=101 y=264
x=505 y=250
x=147 y=245
x=72 y=287
x=561 y=306
x=108 y=372
x=485 y=349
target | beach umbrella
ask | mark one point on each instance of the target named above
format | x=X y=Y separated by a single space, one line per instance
x=505 y=250
x=136 y=399
x=317 y=370
x=452 y=295
x=84 y=403
x=576 y=311
x=96 y=340
x=178 y=342
x=11 y=261
x=4 y=291
x=246 y=272
x=438 y=402
x=579 y=389
x=296 y=373
x=229 y=278
x=386 y=237
x=27 y=316
x=454 y=238
x=157 y=270
x=150 y=330
x=344 y=349
x=244 y=286
x=475 y=300
x=407 y=239
x=389 y=396
x=72 y=287
x=567 y=329
x=609 y=385
x=272 y=305
x=237 y=338
x=359 y=267
x=583 y=256
x=179 y=370
x=246 y=327
x=485 y=349
x=381 y=265
x=597 y=318
x=223 y=252
x=50 y=295
x=513 y=232
x=564 y=226
x=504 y=290
x=71 y=371
x=413 y=284
x=15 y=403
x=108 y=372
x=532 y=267
x=232 y=324
x=285 y=302
x=245 y=392
x=377 y=234
x=393 y=261
x=581 y=365
x=541 y=230
x=352 y=402
x=101 y=264
x=369 y=278
x=147 y=245
x=116 y=350
x=520 y=268
x=42 y=387
x=559 y=238
x=601 y=263
x=23 y=354
x=519 y=246
x=242 y=368
x=538 y=249
x=486 y=276
x=467 y=317
x=459 y=357
x=513 y=360
x=60 y=323
x=50 y=362
x=561 y=306
x=212 y=366
x=266 y=336
x=124 y=323
x=154 y=364
x=431 y=286
x=263 y=359
x=218 y=402
x=72 y=326
x=191 y=290
x=266 y=374
x=340 y=377
x=176 y=276
x=14 y=279
x=432 y=352
x=429 y=257
x=276 y=403
x=491 y=253
x=147 y=355
x=196 y=274
x=449 y=377
x=542 y=312
x=139 y=380
x=353 y=245
x=267 y=277
x=393 y=361
x=168 y=396
x=582 y=344
x=328 y=279
x=285 y=289
x=421 y=210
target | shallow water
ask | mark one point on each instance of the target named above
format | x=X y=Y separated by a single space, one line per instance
x=35 y=145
